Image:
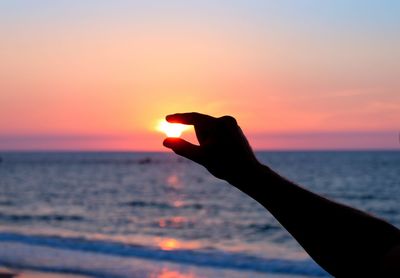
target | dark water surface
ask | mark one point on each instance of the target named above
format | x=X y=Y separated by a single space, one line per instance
x=159 y=208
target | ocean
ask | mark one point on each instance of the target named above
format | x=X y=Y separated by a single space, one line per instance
x=158 y=215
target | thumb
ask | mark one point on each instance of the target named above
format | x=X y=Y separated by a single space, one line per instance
x=183 y=148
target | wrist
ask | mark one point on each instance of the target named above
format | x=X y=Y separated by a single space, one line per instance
x=251 y=175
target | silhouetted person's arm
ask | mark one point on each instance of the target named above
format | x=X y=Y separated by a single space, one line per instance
x=344 y=241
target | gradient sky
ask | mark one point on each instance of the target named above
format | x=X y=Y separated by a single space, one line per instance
x=98 y=75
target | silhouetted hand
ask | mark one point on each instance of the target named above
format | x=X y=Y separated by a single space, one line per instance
x=223 y=148
x=344 y=241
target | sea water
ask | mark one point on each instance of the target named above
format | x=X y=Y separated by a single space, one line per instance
x=159 y=215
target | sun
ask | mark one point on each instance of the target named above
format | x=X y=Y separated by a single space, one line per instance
x=171 y=130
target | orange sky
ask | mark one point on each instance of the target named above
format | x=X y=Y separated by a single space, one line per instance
x=100 y=76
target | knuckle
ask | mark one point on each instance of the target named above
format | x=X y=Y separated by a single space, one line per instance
x=228 y=120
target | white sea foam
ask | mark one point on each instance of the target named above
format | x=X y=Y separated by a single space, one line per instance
x=114 y=259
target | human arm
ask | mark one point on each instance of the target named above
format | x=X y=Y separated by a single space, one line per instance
x=342 y=240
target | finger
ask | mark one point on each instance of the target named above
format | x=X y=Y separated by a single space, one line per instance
x=192 y=118
x=183 y=148
x=228 y=120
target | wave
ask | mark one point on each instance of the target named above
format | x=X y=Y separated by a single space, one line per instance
x=41 y=217
x=162 y=205
x=198 y=257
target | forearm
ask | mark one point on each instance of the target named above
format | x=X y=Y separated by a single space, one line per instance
x=345 y=241
x=341 y=239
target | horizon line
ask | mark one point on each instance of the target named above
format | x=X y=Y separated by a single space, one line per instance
x=169 y=151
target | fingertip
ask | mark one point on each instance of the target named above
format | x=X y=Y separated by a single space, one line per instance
x=168 y=142
x=171 y=142
x=170 y=118
x=183 y=148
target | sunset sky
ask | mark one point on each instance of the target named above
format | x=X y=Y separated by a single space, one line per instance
x=99 y=75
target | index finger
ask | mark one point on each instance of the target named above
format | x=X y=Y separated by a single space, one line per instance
x=192 y=118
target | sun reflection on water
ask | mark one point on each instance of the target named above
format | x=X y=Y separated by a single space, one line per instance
x=178 y=203
x=174 y=181
x=173 y=222
x=166 y=273
x=169 y=244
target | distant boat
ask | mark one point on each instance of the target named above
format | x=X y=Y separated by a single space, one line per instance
x=145 y=160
